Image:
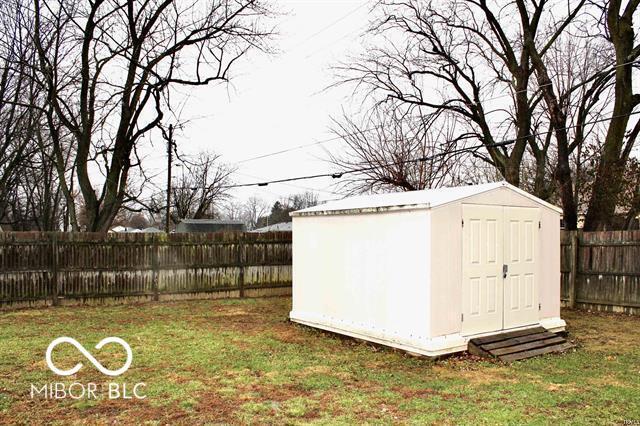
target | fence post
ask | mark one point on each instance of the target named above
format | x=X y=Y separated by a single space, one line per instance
x=54 y=269
x=241 y=259
x=155 y=265
x=574 y=268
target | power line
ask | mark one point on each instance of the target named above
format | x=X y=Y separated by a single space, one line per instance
x=293 y=186
x=295 y=148
x=324 y=47
x=338 y=175
x=326 y=27
x=323 y=141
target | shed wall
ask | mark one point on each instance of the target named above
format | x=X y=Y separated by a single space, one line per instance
x=364 y=273
x=446 y=271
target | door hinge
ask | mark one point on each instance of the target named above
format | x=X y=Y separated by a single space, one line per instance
x=463 y=223
x=539 y=225
x=462 y=317
x=539 y=306
x=505 y=271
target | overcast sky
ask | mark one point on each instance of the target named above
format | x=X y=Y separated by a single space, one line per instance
x=279 y=101
x=276 y=102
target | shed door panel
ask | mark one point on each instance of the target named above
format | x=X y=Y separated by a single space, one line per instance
x=493 y=237
x=521 y=287
x=482 y=254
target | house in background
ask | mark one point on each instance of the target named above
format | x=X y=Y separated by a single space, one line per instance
x=209 y=225
x=276 y=227
x=151 y=229
x=128 y=229
x=123 y=229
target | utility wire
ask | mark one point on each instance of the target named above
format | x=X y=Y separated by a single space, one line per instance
x=295 y=148
x=323 y=141
x=306 y=188
x=326 y=27
x=338 y=175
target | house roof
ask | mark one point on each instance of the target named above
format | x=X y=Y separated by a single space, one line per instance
x=213 y=221
x=151 y=229
x=209 y=225
x=425 y=199
x=277 y=227
x=120 y=229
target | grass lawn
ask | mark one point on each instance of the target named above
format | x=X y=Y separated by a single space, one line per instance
x=241 y=361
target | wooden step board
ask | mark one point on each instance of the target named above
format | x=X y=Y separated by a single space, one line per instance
x=521 y=344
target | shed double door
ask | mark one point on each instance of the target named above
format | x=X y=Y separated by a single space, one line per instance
x=499 y=267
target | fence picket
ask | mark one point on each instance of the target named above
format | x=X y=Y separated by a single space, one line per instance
x=599 y=270
x=89 y=267
x=602 y=271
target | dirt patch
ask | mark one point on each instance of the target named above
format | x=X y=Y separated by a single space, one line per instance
x=409 y=393
x=603 y=331
x=279 y=393
x=288 y=333
x=475 y=374
x=217 y=408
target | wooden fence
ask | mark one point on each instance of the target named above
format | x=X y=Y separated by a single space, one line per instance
x=84 y=268
x=601 y=270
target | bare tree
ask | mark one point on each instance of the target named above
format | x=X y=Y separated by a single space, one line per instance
x=136 y=220
x=37 y=188
x=107 y=65
x=17 y=121
x=30 y=191
x=281 y=208
x=631 y=195
x=231 y=209
x=454 y=57
x=252 y=210
x=381 y=153
x=201 y=188
x=619 y=141
x=553 y=72
x=573 y=103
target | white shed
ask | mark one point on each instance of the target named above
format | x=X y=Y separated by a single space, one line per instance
x=426 y=271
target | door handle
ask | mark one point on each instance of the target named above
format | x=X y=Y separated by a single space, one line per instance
x=505 y=269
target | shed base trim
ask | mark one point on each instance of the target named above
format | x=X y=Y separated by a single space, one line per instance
x=555 y=325
x=430 y=347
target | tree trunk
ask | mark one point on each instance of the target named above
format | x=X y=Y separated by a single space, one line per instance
x=608 y=182
x=634 y=210
x=541 y=187
x=558 y=119
x=562 y=176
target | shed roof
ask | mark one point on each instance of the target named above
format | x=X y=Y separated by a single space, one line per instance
x=424 y=199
